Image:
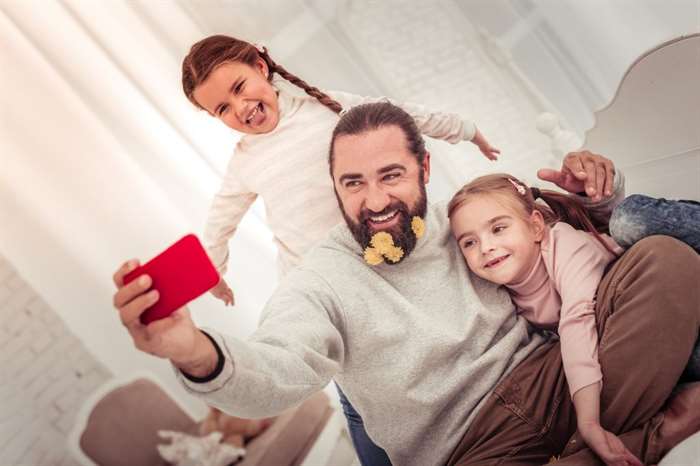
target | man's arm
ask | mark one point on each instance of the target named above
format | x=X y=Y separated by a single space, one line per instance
x=295 y=352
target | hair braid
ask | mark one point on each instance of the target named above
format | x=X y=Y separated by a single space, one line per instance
x=315 y=92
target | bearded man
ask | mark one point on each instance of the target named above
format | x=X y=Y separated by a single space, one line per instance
x=434 y=359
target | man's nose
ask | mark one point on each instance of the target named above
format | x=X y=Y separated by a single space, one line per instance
x=377 y=199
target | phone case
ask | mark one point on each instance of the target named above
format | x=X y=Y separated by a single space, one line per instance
x=180 y=274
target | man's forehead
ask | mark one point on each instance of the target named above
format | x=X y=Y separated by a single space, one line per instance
x=371 y=150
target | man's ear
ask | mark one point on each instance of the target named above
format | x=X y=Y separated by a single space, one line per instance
x=538 y=225
x=426 y=167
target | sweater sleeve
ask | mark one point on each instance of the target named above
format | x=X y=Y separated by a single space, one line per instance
x=579 y=266
x=294 y=353
x=230 y=203
x=449 y=127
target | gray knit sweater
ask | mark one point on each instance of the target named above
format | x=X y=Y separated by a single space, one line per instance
x=416 y=346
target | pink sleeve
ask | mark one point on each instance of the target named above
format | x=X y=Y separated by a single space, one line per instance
x=579 y=263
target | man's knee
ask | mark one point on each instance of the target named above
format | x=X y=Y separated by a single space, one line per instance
x=659 y=269
x=666 y=254
x=629 y=222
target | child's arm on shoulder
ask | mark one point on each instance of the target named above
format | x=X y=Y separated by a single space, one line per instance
x=449 y=127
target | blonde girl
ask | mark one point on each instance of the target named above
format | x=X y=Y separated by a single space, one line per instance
x=551 y=257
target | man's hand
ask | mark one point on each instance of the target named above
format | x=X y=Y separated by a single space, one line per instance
x=607 y=446
x=583 y=172
x=174 y=337
x=223 y=292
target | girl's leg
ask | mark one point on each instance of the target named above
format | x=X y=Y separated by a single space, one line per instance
x=368 y=452
x=640 y=216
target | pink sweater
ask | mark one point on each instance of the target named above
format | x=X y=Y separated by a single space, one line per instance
x=559 y=294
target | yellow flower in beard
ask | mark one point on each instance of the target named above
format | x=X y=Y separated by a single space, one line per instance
x=382 y=242
x=394 y=254
x=373 y=257
x=418 y=226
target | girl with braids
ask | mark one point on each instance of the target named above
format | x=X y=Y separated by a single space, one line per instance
x=283 y=154
x=551 y=256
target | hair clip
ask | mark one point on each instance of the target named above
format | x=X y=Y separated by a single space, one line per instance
x=259 y=46
x=518 y=187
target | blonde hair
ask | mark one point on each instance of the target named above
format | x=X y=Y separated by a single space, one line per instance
x=556 y=207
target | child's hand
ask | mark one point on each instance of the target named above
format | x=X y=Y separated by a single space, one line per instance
x=607 y=446
x=489 y=151
x=484 y=146
x=223 y=292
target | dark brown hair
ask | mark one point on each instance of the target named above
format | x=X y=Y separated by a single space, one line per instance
x=212 y=51
x=377 y=115
x=557 y=207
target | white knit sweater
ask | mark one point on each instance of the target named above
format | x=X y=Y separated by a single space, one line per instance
x=288 y=167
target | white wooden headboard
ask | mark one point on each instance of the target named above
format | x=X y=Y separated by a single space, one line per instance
x=651 y=128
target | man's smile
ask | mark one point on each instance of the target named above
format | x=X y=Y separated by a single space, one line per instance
x=381 y=222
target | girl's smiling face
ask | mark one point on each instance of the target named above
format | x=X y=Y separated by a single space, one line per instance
x=241 y=97
x=499 y=243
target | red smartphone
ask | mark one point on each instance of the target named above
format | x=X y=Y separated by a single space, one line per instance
x=180 y=274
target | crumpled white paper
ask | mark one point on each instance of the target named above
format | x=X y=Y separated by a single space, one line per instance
x=189 y=450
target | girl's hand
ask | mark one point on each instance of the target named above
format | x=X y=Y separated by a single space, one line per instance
x=223 y=292
x=489 y=151
x=484 y=146
x=607 y=446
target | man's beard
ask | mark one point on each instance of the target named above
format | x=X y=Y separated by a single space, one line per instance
x=401 y=233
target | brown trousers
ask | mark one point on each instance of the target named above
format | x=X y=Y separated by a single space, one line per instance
x=648 y=316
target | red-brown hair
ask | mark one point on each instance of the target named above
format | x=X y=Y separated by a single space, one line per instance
x=212 y=51
x=557 y=207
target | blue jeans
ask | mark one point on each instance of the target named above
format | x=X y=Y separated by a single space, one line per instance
x=368 y=452
x=640 y=216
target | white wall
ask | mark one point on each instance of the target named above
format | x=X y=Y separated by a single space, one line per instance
x=576 y=52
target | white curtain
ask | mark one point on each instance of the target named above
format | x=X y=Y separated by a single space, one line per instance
x=102 y=159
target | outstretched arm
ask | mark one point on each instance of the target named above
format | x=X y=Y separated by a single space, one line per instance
x=294 y=353
x=449 y=127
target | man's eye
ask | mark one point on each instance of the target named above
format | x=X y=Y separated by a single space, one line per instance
x=352 y=184
x=391 y=176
